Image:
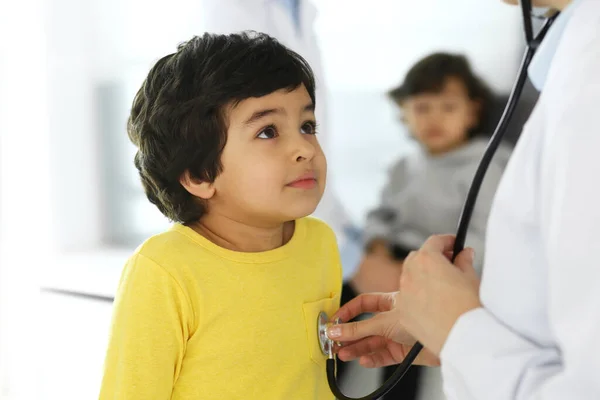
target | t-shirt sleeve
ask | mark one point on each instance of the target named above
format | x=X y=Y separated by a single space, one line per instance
x=150 y=326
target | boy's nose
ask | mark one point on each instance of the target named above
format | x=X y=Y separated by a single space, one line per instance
x=304 y=149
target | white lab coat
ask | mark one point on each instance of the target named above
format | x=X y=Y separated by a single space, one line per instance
x=271 y=17
x=538 y=336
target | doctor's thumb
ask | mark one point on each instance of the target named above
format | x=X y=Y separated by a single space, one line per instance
x=464 y=261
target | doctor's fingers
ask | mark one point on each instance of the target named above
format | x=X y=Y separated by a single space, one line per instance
x=366 y=303
x=383 y=324
x=377 y=351
x=439 y=244
x=371 y=345
x=464 y=263
x=383 y=358
x=395 y=355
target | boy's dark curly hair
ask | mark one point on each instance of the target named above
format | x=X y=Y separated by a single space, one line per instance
x=430 y=74
x=178 y=120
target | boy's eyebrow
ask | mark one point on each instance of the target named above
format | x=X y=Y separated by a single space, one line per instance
x=263 y=113
x=309 y=107
x=257 y=115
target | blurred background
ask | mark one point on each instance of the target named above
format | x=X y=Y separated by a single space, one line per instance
x=71 y=206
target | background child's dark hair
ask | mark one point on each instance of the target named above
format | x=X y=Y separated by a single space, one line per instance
x=178 y=119
x=429 y=75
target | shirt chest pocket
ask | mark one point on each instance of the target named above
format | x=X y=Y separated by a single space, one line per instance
x=311 y=314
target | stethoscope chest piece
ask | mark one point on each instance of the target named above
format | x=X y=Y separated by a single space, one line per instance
x=325 y=343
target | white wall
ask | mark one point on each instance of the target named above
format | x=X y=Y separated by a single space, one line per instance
x=375 y=42
x=91 y=43
x=24 y=191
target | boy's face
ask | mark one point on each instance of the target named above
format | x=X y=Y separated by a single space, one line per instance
x=441 y=121
x=274 y=169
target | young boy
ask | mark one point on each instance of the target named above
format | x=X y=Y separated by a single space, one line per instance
x=224 y=305
x=444 y=106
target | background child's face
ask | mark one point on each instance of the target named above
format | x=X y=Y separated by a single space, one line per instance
x=441 y=121
x=273 y=167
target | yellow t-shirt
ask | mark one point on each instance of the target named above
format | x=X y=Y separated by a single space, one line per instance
x=193 y=320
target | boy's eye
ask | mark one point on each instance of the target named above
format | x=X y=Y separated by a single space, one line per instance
x=268 y=133
x=309 y=128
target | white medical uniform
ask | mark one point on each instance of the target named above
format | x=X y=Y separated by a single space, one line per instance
x=538 y=335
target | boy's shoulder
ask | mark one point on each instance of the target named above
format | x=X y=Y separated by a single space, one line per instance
x=170 y=246
x=315 y=224
x=319 y=240
x=316 y=231
x=160 y=240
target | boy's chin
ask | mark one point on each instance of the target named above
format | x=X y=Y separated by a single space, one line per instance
x=302 y=213
x=299 y=210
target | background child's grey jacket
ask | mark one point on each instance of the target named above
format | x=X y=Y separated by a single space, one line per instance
x=424 y=195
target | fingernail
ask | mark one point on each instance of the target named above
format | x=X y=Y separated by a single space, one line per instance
x=366 y=362
x=471 y=255
x=334 y=332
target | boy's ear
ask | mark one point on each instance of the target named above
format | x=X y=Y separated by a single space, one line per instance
x=202 y=189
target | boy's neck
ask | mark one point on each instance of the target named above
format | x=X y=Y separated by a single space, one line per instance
x=239 y=236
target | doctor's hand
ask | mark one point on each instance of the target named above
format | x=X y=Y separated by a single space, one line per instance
x=379 y=341
x=433 y=294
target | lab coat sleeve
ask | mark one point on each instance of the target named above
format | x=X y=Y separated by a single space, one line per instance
x=485 y=359
x=151 y=319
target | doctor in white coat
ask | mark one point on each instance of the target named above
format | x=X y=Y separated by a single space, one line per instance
x=531 y=328
x=292 y=23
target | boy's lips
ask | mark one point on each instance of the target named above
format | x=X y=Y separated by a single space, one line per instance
x=305 y=181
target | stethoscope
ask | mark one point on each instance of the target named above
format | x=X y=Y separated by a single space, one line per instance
x=327 y=345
